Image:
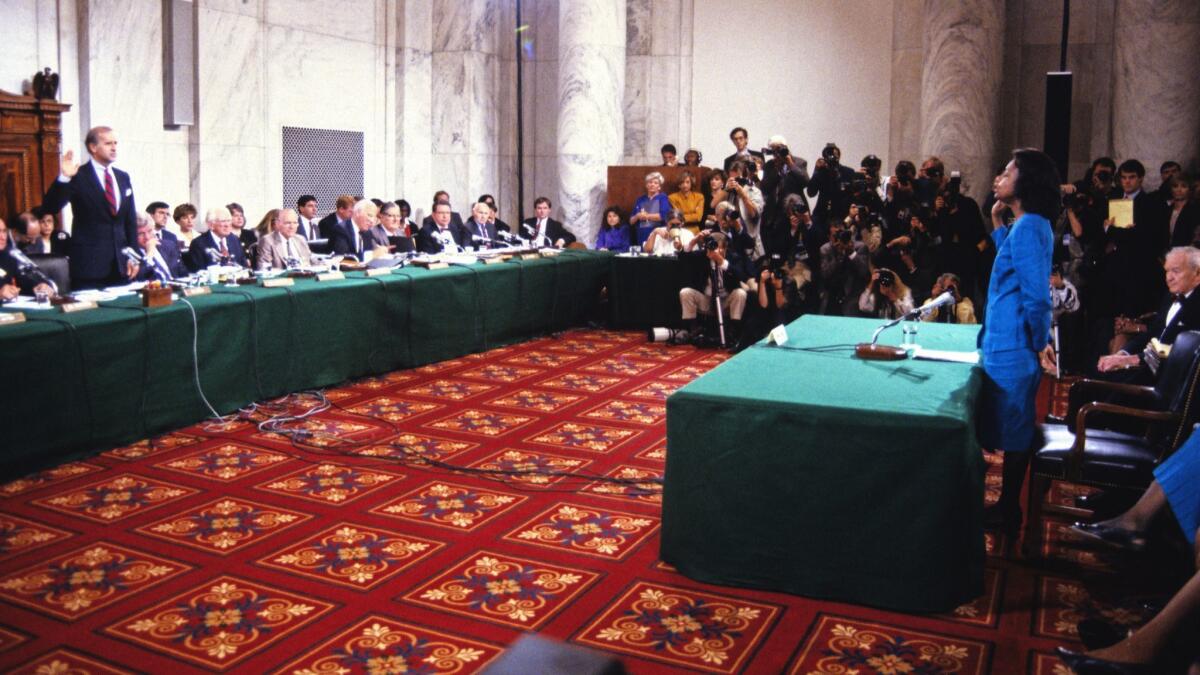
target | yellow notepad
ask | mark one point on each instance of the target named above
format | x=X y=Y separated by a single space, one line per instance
x=1121 y=211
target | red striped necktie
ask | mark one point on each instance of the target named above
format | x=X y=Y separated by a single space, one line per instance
x=110 y=191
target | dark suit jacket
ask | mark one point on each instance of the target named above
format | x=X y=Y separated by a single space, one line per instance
x=486 y=230
x=455 y=220
x=198 y=251
x=98 y=236
x=343 y=241
x=326 y=225
x=1187 y=318
x=175 y=266
x=554 y=231
x=171 y=250
x=427 y=244
x=1185 y=224
x=730 y=159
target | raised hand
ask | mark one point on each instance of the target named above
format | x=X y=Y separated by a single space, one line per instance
x=68 y=165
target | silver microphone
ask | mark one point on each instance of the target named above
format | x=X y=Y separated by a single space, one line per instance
x=946 y=298
x=132 y=254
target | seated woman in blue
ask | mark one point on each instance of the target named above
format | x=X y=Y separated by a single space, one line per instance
x=651 y=209
x=614 y=234
x=1175 y=489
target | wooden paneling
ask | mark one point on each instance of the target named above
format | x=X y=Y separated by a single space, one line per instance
x=30 y=142
x=627 y=183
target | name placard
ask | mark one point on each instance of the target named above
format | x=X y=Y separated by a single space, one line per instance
x=278 y=282
x=379 y=271
x=330 y=276
x=11 y=318
x=193 y=291
x=70 y=307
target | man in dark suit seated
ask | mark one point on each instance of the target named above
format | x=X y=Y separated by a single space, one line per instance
x=440 y=234
x=101 y=199
x=443 y=196
x=340 y=216
x=18 y=274
x=154 y=264
x=1179 y=311
x=493 y=217
x=544 y=230
x=169 y=246
x=218 y=246
x=390 y=230
x=480 y=227
x=353 y=239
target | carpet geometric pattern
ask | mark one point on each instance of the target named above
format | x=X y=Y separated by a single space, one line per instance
x=226 y=548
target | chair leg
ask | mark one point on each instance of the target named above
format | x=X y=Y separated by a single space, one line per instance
x=1031 y=544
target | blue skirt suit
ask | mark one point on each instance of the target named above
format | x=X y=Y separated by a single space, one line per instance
x=1015 y=328
x=1179 y=478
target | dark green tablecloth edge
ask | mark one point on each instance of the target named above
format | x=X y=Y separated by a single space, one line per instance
x=78 y=384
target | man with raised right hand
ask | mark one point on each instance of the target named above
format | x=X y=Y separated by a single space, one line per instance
x=105 y=220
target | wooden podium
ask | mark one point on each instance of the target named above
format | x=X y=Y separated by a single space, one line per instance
x=627 y=183
x=30 y=144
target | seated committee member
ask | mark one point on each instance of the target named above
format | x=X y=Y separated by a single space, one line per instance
x=340 y=216
x=440 y=233
x=493 y=218
x=154 y=265
x=390 y=231
x=443 y=196
x=101 y=199
x=285 y=247
x=480 y=227
x=544 y=230
x=18 y=274
x=218 y=246
x=353 y=238
x=1179 y=311
x=160 y=213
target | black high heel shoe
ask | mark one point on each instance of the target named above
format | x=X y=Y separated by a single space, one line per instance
x=1083 y=664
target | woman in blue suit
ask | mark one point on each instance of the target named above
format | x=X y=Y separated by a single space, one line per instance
x=1016 y=327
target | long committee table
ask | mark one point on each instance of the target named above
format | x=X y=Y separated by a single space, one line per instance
x=816 y=473
x=84 y=381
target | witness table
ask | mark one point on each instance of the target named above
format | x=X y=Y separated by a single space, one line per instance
x=644 y=291
x=80 y=382
x=823 y=475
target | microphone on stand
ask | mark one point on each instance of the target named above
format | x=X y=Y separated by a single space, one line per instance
x=132 y=254
x=870 y=351
x=533 y=235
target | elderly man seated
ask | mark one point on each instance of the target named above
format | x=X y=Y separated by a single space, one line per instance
x=153 y=265
x=284 y=248
x=18 y=274
x=218 y=246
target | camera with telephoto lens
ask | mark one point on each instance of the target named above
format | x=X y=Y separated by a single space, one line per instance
x=779 y=151
x=710 y=244
x=1104 y=176
x=886 y=278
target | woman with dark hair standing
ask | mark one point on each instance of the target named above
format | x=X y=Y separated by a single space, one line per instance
x=1016 y=326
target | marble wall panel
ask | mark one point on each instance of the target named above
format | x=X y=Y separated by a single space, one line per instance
x=20 y=33
x=124 y=79
x=905 y=120
x=960 y=83
x=450 y=112
x=231 y=100
x=638 y=87
x=353 y=21
x=159 y=171
x=907 y=18
x=543 y=22
x=1156 y=95
x=666 y=28
x=639 y=30
x=465 y=25
x=482 y=97
x=450 y=173
x=252 y=8
x=232 y=173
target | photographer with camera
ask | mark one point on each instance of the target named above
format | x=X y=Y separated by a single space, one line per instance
x=844 y=272
x=728 y=269
x=743 y=193
x=780 y=298
x=783 y=175
x=669 y=239
x=959 y=235
x=886 y=297
x=832 y=182
x=963 y=310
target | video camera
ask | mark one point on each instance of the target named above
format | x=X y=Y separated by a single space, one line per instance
x=886 y=278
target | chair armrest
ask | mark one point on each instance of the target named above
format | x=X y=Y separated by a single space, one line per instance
x=1076 y=456
x=1116 y=387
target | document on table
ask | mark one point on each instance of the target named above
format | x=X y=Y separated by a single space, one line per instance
x=943 y=355
x=1121 y=211
x=27 y=302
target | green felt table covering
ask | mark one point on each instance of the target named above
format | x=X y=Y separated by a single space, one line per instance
x=76 y=383
x=820 y=474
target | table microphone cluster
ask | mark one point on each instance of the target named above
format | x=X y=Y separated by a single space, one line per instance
x=870 y=351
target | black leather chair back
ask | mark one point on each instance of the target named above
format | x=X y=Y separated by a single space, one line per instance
x=1178 y=371
x=57 y=267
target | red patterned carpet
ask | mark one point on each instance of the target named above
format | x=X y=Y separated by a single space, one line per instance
x=222 y=547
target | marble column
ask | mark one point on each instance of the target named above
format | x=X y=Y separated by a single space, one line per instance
x=591 y=127
x=961 y=73
x=414 y=84
x=1156 y=95
x=658 y=78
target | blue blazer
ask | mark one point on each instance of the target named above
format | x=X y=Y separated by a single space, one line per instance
x=198 y=251
x=97 y=235
x=1018 y=304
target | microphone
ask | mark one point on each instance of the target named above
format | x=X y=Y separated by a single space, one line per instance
x=480 y=237
x=533 y=234
x=946 y=298
x=874 y=352
x=213 y=255
x=132 y=254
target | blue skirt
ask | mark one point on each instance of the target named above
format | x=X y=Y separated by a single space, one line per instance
x=1007 y=413
x=1179 y=478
